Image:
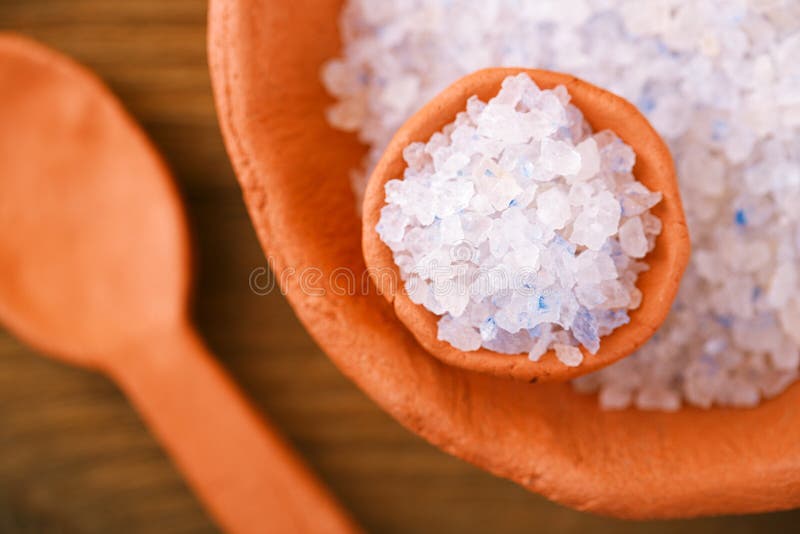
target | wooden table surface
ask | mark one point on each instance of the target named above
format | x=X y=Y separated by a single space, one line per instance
x=75 y=458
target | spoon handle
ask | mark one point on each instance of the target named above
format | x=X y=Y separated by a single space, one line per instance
x=249 y=478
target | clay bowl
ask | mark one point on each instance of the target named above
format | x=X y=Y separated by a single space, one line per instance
x=265 y=58
x=654 y=168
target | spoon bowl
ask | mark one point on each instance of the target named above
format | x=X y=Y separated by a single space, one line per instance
x=654 y=168
x=95 y=263
x=91 y=258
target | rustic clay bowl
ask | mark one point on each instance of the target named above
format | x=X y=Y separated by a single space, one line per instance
x=265 y=58
x=654 y=168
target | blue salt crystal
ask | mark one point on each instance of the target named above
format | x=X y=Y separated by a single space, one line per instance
x=584 y=328
x=719 y=130
x=612 y=319
x=711 y=364
x=488 y=329
x=542 y=303
x=536 y=331
x=566 y=245
x=740 y=217
x=725 y=321
x=756 y=293
x=527 y=169
x=647 y=104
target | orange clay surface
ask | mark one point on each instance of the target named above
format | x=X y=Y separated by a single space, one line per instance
x=654 y=168
x=95 y=270
x=265 y=60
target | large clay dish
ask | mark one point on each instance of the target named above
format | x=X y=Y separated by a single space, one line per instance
x=265 y=58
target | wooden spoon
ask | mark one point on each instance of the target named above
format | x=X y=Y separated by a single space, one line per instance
x=653 y=168
x=95 y=264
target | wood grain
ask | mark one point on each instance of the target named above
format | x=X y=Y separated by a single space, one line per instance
x=75 y=458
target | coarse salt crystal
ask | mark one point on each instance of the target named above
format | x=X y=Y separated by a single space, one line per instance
x=632 y=238
x=568 y=355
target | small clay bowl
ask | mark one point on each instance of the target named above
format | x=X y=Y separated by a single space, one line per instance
x=265 y=58
x=654 y=168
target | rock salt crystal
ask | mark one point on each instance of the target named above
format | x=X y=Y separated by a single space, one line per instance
x=718 y=79
x=496 y=183
x=632 y=238
x=568 y=355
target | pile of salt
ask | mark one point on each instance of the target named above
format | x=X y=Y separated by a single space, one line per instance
x=719 y=80
x=520 y=227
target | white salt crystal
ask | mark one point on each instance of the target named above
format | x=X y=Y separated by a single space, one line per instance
x=616 y=398
x=415 y=156
x=615 y=295
x=459 y=335
x=433 y=263
x=393 y=223
x=740 y=394
x=580 y=193
x=789 y=316
x=598 y=220
x=637 y=199
x=515 y=88
x=541 y=344
x=498 y=239
x=785 y=358
x=593 y=267
x=475 y=107
x=590 y=159
x=559 y=157
x=524 y=258
x=783 y=284
x=773 y=383
x=502 y=191
x=632 y=238
x=568 y=355
x=504 y=123
x=488 y=329
x=347 y=115
x=475 y=227
x=658 y=399
x=553 y=209
x=636 y=297
x=400 y=93
x=454 y=299
x=452 y=231
x=339 y=78
x=651 y=224
x=417 y=290
x=454 y=163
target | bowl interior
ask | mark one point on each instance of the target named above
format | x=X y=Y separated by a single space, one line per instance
x=265 y=58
